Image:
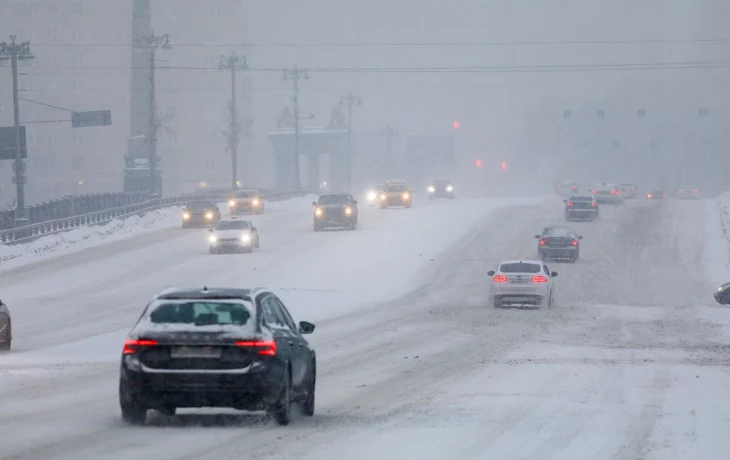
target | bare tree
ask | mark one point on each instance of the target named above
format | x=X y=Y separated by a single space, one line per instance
x=236 y=128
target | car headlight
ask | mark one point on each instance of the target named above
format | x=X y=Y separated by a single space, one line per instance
x=348 y=211
x=406 y=196
x=431 y=188
x=245 y=237
x=383 y=197
x=450 y=188
x=256 y=202
x=208 y=215
x=372 y=195
x=212 y=239
x=231 y=203
x=186 y=215
x=318 y=212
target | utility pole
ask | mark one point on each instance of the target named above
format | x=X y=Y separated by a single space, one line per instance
x=153 y=42
x=390 y=133
x=350 y=101
x=17 y=52
x=295 y=74
x=233 y=62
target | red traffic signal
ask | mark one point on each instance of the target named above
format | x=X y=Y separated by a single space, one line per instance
x=479 y=163
x=504 y=166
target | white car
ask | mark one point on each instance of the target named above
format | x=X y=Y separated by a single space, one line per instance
x=522 y=282
x=233 y=235
x=607 y=193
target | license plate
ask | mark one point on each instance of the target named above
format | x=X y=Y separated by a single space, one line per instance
x=195 y=352
x=519 y=281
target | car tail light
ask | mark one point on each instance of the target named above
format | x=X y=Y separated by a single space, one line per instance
x=539 y=279
x=695 y=191
x=570 y=204
x=132 y=346
x=574 y=187
x=575 y=242
x=593 y=204
x=542 y=242
x=593 y=192
x=648 y=196
x=499 y=278
x=262 y=347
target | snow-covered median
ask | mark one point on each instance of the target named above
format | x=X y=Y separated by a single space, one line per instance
x=717 y=239
x=86 y=237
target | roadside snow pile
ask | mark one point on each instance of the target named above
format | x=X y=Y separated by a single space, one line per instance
x=717 y=239
x=120 y=229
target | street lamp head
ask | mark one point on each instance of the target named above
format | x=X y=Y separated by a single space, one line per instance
x=285 y=75
x=25 y=53
x=166 y=42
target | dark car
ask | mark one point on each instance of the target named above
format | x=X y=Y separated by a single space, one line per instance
x=336 y=210
x=558 y=243
x=200 y=214
x=441 y=189
x=233 y=348
x=579 y=207
x=656 y=195
x=6 y=328
x=722 y=295
x=565 y=188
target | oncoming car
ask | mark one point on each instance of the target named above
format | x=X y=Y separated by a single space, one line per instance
x=396 y=193
x=233 y=235
x=372 y=194
x=245 y=202
x=6 y=328
x=232 y=348
x=200 y=213
x=441 y=189
x=335 y=210
x=522 y=282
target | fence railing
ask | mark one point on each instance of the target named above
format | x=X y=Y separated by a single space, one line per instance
x=31 y=232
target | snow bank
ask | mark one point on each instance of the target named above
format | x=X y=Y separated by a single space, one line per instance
x=86 y=237
x=717 y=239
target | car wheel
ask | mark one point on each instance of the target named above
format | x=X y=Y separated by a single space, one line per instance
x=133 y=411
x=308 y=405
x=496 y=303
x=281 y=410
x=317 y=228
x=168 y=411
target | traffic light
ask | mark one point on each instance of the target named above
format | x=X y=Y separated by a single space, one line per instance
x=456 y=124
x=504 y=166
x=479 y=163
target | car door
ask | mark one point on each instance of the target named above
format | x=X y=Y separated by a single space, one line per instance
x=282 y=337
x=546 y=270
x=299 y=346
x=353 y=205
x=254 y=234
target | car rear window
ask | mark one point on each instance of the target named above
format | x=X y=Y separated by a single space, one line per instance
x=333 y=199
x=232 y=225
x=581 y=198
x=200 y=313
x=559 y=232
x=520 y=267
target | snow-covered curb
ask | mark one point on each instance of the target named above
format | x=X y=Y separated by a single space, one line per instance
x=86 y=237
x=717 y=239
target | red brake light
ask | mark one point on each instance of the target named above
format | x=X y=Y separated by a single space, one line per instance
x=575 y=242
x=539 y=279
x=593 y=192
x=263 y=347
x=132 y=346
x=542 y=242
x=574 y=187
x=593 y=204
x=570 y=204
x=499 y=278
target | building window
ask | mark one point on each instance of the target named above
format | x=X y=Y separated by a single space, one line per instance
x=703 y=111
x=49 y=59
x=78 y=57
x=210 y=164
x=51 y=35
x=25 y=34
x=52 y=9
x=76 y=35
x=77 y=9
x=211 y=10
x=211 y=60
x=50 y=139
x=77 y=84
x=75 y=137
x=28 y=84
x=175 y=9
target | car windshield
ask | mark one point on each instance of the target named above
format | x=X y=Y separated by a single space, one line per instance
x=247 y=194
x=333 y=199
x=626 y=184
x=200 y=313
x=441 y=182
x=581 y=198
x=560 y=232
x=396 y=188
x=519 y=267
x=688 y=187
x=200 y=205
x=232 y=225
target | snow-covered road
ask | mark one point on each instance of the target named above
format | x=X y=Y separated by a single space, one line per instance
x=630 y=364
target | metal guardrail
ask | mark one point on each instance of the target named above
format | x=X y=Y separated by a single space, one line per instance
x=31 y=232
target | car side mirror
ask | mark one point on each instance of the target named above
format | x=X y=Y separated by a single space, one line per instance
x=580 y=237
x=490 y=273
x=354 y=201
x=314 y=203
x=554 y=274
x=305 y=327
x=537 y=237
x=210 y=230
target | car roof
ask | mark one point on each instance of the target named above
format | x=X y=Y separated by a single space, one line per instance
x=522 y=261
x=581 y=195
x=334 y=194
x=201 y=202
x=208 y=293
x=550 y=227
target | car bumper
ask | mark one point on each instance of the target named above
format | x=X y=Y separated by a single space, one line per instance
x=440 y=194
x=582 y=213
x=395 y=202
x=199 y=221
x=333 y=222
x=244 y=209
x=558 y=253
x=231 y=247
x=242 y=391
x=608 y=200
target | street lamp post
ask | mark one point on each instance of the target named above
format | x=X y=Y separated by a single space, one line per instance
x=153 y=42
x=390 y=134
x=233 y=62
x=350 y=101
x=295 y=74
x=17 y=52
